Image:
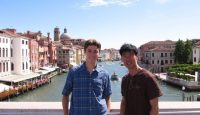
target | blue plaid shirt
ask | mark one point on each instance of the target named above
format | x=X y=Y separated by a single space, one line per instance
x=89 y=91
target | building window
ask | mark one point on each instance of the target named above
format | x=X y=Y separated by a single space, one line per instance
x=6 y=66
x=23 y=66
x=0 y=52
x=171 y=54
x=158 y=62
x=170 y=61
x=152 y=54
x=195 y=51
x=161 y=55
x=165 y=54
x=26 y=65
x=3 y=52
x=26 y=42
x=3 y=40
x=26 y=52
x=22 y=52
x=162 y=63
x=3 y=67
x=11 y=52
x=6 y=52
x=0 y=67
x=12 y=66
x=194 y=59
x=152 y=61
x=166 y=61
x=6 y=40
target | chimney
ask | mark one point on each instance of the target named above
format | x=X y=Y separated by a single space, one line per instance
x=40 y=34
x=11 y=30
x=65 y=30
x=28 y=32
x=48 y=37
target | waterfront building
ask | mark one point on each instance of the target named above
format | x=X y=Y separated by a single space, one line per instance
x=69 y=51
x=79 y=54
x=104 y=55
x=78 y=41
x=114 y=54
x=109 y=54
x=52 y=53
x=33 y=48
x=158 y=55
x=65 y=56
x=20 y=61
x=196 y=51
x=5 y=53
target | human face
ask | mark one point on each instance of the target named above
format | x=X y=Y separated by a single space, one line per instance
x=92 y=54
x=129 y=59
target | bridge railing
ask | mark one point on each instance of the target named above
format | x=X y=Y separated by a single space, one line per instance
x=55 y=108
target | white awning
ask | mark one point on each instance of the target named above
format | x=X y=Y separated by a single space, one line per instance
x=48 y=68
x=17 y=78
x=3 y=87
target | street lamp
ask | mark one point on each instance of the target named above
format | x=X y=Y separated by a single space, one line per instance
x=183 y=94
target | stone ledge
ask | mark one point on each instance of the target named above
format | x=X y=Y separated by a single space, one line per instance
x=55 y=108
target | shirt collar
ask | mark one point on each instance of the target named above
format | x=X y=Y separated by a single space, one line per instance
x=97 y=68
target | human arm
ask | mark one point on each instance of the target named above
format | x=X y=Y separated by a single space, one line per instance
x=154 y=106
x=65 y=103
x=108 y=103
x=66 y=92
x=122 y=106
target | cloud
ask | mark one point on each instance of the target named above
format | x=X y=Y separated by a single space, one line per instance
x=162 y=1
x=94 y=3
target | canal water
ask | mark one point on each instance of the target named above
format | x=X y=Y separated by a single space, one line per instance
x=52 y=92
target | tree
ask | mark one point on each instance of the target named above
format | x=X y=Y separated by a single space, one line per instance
x=188 y=51
x=179 y=52
x=183 y=52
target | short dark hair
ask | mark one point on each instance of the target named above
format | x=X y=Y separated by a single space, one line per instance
x=92 y=42
x=128 y=48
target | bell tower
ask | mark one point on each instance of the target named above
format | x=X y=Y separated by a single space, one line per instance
x=56 y=34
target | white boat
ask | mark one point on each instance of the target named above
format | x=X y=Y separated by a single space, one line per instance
x=114 y=77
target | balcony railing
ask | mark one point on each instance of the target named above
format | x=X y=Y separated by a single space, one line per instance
x=55 y=108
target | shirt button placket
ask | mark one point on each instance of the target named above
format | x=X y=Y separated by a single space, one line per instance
x=90 y=89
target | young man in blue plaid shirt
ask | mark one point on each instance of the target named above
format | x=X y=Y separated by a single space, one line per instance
x=88 y=84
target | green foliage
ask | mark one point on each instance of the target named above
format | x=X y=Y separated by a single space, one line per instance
x=183 y=52
x=180 y=70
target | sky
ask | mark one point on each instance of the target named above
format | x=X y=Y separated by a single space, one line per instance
x=111 y=22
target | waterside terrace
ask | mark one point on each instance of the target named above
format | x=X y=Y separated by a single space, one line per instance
x=55 y=108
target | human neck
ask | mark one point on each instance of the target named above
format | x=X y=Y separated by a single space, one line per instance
x=133 y=71
x=90 y=66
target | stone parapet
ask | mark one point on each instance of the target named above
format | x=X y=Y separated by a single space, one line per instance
x=55 y=108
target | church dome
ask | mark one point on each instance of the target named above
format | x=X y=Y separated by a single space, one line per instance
x=64 y=36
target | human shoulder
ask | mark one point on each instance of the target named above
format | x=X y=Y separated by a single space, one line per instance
x=77 y=68
x=101 y=70
x=125 y=77
x=148 y=74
